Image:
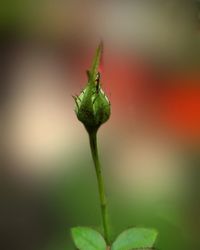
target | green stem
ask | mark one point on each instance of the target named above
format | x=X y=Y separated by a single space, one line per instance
x=101 y=188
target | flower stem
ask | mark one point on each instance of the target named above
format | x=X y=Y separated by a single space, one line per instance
x=101 y=188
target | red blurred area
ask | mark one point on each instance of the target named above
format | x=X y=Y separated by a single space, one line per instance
x=180 y=106
x=169 y=101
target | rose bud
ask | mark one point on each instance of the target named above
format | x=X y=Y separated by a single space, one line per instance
x=92 y=105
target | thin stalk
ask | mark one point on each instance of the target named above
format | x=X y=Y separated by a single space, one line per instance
x=101 y=187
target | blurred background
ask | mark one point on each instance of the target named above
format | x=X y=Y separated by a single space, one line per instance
x=150 y=146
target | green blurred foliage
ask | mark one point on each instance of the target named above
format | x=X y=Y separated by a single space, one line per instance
x=75 y=203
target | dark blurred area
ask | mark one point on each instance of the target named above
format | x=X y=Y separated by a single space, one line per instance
x=149 y=148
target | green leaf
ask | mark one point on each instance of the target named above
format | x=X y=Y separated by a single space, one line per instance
x=135 y=238
x=86 y=238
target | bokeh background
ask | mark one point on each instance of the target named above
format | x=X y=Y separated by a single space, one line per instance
x=150 y=146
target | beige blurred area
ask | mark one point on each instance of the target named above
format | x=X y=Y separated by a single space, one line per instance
x=149 y=167
x=163 y=30
x=40 y=125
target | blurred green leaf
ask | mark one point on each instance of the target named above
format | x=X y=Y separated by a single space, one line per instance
x=135 y=238
x=86 y=238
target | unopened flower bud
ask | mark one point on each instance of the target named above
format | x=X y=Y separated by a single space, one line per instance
x=92 y=105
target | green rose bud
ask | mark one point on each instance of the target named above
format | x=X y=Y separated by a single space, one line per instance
x=92 y=105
